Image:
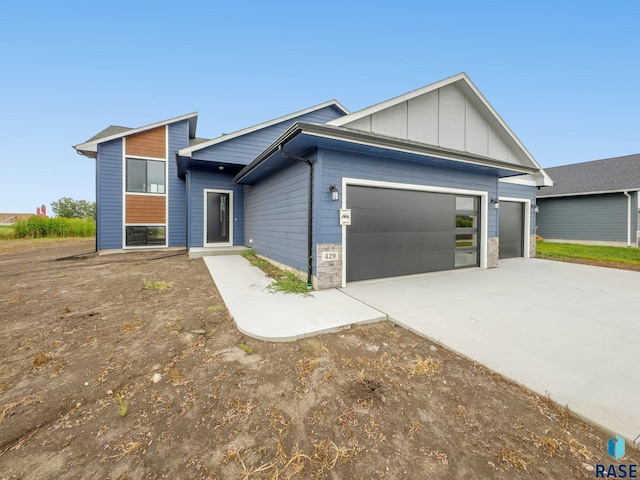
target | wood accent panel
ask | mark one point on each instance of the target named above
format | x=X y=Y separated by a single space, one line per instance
x=151 y=143
x=145 y=209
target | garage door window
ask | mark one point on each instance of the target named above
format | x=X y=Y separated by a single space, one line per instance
x=467 y=214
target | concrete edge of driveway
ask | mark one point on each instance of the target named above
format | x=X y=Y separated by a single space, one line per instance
x=264 y=314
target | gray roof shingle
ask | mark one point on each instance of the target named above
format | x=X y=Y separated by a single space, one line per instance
x=110 y=130
x=610 y=174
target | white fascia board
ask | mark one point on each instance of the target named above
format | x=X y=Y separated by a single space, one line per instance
x=579 y=194
x=92 y=146
x=186 y=152
x=533 y=180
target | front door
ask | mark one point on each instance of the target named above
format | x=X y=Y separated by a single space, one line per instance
x=217 y=217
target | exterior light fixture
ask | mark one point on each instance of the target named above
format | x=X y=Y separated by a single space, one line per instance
x=221 y=167
x=496 y=203
x=335 y=194
x=535 y=208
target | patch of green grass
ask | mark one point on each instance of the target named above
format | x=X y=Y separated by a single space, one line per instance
x=588 y=252
x=289 y=282
x=7 y=232
x=156 y=284
x=216 y=308
x=122 y=404
x=246 y=348
x=284 y=281
x=36 y=227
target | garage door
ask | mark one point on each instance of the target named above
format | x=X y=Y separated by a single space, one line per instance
x=511 y=229
x=403 y=232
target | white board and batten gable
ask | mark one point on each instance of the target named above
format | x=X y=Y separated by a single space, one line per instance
x=451 y=114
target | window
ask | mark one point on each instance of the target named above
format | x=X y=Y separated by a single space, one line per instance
x=145 y=176
x=467 y=214
x=143 y=236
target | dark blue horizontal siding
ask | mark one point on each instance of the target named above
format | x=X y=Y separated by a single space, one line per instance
x=178 y=138
x=199 y=180
x=109 y=195
x=276 y=216
x=338 y=164
x=242 y=150
x=520 y=191
x=587 y=217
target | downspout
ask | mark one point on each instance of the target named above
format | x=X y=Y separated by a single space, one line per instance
x=309 y=212
x=626 y=194
x=187 y=179
x=186 y=203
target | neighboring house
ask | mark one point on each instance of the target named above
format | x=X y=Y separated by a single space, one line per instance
x=410 y=185
x=592 y=202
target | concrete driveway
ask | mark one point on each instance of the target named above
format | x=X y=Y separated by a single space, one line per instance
x=567 y=330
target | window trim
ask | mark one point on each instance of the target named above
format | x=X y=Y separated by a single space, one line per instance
x=123 y=165
x=146 y=225
x=145 y=159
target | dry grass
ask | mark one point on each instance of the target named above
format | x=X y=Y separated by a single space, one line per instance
x=237 y=411
x=427 y=367
x=324 y=457
x=9 y=408
x=513 y=457
x=41 y=359
x=125 y=449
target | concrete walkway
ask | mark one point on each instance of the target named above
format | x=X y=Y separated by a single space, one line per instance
x=263 y=313
x=570 y=331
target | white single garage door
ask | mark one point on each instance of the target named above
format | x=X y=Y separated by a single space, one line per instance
x=403 y=232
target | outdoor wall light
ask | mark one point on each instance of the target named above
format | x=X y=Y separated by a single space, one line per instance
x=496 y=203
x=221 y=167
x=535 y=208
x=335 y=194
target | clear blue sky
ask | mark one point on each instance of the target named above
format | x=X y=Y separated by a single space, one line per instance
x=563 y=75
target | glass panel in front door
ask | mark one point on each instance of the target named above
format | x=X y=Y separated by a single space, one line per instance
x=217 y=217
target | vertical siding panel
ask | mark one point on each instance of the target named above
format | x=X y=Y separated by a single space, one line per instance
x=109 y=195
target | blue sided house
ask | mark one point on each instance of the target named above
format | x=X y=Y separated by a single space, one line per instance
x=431 y=180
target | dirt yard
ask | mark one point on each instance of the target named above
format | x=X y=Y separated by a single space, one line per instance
x=102 y=378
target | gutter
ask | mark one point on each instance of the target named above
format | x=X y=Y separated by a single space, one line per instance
x=286 y=154
x=626 y=194
x=378 y=141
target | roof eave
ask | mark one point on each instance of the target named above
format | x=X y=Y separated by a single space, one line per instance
x=356 y=136
x=188 y=151
x=92 y=146
x=599 y=192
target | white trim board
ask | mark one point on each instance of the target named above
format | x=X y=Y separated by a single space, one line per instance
x=92 y=145
x=484 y=215
x=527 y=224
